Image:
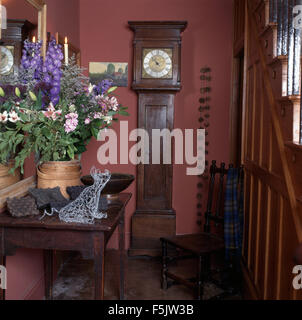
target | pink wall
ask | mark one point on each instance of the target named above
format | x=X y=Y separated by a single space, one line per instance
x=101 y=29
x=20 y=9
x=104 y=36
x=63 y=17
x=25 y=270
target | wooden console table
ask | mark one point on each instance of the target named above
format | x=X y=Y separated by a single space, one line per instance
x=52 y=234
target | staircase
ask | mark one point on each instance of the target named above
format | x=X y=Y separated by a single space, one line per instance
x=282 y=45
x=272 y=146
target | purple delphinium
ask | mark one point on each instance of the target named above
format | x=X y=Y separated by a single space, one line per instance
x=52 y=70
x=103 y=87
x=31 y=58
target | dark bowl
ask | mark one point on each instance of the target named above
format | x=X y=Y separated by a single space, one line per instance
x=118 y=183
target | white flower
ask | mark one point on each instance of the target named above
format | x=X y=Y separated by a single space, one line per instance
x=72 y=108
x=13 y=117
x=3 y=117
x=90 y=88
x=108 y=119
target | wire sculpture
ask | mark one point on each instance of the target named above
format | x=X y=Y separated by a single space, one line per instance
x=85 y=209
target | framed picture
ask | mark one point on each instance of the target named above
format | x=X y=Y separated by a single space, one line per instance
x=116 y=71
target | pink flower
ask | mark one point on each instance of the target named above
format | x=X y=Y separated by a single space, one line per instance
x=72 y=116
x=87 y=121
x=71 y=122
x=51 y=112
x=98 y=115
x=114 y=103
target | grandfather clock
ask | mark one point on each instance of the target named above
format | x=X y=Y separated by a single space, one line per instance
x=156 y=79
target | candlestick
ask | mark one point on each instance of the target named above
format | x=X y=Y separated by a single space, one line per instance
x=66 y=51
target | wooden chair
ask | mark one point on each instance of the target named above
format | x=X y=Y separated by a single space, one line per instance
x=200 y=246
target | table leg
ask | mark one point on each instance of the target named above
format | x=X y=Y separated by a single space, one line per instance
x=121 y=229
x=48 y=272
x=99 y=265
x=2 y=291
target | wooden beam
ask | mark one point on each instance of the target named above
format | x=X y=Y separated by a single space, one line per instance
x=38 y=4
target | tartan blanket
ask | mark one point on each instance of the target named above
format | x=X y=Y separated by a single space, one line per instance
x=233 y=212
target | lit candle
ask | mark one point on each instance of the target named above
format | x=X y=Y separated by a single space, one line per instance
x=34 y=39
x=66 y=51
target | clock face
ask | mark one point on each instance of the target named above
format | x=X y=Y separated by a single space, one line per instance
x=7 y=60
x=157 y=63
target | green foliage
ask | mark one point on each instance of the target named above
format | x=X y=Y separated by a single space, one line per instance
x=58 y=133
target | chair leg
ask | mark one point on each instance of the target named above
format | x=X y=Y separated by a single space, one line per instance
x=164 y=265
x=200 y=278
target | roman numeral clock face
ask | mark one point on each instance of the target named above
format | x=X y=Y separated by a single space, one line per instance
x=157 y=63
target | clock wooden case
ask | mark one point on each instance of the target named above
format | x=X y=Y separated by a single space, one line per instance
x=156 y=79
x=11 y=44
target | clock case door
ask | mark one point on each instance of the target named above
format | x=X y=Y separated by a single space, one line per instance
x=16 y=33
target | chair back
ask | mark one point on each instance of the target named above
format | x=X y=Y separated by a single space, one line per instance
x=215 y=205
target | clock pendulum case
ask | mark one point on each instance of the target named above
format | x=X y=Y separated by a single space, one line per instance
x=11 y=44
x=156 y=79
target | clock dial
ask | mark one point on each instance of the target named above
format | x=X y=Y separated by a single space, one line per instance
x=7 y=60
x=157 y=63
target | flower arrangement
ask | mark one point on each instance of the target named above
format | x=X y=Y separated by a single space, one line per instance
x=51 y=109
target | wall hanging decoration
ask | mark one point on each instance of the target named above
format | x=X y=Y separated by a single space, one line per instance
x=204 y=121
x=85 y=209
x=52 y=110
x=115 y=71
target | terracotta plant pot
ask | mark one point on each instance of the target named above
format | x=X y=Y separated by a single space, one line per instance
x=59 y=174
x=7 y=179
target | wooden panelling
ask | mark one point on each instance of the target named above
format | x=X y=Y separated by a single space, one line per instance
x=272 y=229
x=261 y=236
x=288 y=245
